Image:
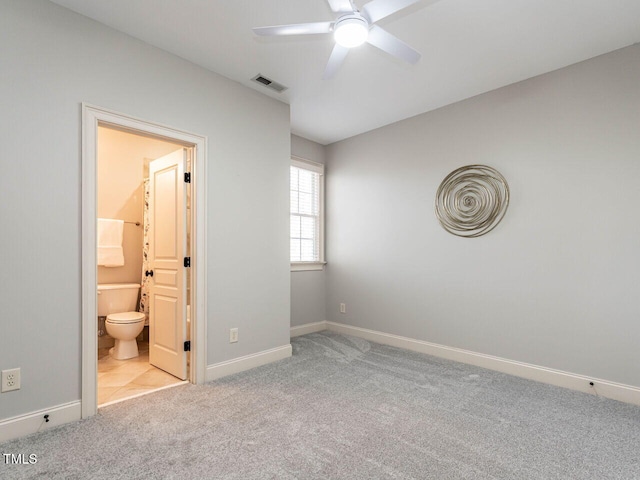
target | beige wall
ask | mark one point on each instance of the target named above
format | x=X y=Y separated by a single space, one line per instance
x=121 y=172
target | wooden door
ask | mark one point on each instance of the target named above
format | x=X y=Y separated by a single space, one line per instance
x=167 y=250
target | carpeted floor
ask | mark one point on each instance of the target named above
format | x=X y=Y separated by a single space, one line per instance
x=344 y=408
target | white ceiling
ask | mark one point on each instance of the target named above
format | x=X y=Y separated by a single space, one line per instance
x=468 y=47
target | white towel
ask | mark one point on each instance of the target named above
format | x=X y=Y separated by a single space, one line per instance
x=110 y=252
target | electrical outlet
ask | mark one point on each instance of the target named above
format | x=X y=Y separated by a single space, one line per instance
x=10 y=380
x=343 y=308
x=233 y=335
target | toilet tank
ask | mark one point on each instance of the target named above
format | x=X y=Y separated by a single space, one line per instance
x=117 y=298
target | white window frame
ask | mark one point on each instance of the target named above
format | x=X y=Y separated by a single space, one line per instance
x=319 y=169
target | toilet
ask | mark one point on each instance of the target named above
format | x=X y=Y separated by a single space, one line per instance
x=117 y=302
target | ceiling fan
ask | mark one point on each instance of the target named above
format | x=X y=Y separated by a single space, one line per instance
x=352 y=28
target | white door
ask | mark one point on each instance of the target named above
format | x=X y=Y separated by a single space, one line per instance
x=167 y=250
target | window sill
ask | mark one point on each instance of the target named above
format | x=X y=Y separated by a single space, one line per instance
x=307 y=266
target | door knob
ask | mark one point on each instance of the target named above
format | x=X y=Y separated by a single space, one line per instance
x=148 y=273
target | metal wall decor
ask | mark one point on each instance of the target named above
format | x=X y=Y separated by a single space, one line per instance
x=472 y=200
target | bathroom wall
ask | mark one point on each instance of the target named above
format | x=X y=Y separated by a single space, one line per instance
x=123 y=164
x=121 y=171
x=307 y=287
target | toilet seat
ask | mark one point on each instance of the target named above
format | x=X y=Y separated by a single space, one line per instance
x=125 y=317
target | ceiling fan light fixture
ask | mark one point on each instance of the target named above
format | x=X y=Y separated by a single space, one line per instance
x=351 y=31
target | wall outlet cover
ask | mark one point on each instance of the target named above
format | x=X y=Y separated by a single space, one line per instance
x=10 y=380
x=233 y=335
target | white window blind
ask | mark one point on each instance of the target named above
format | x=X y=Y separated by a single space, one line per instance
x=306 y=185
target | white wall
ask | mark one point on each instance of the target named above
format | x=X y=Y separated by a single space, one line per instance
x=308 y=297
x=52 y=60
x=556 y=284
x=120 y=195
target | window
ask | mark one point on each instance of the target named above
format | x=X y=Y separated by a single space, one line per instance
x=307 y=215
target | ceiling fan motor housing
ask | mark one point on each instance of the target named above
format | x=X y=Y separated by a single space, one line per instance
x=351 y=30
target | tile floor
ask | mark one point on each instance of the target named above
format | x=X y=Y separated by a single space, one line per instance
x=120 y=379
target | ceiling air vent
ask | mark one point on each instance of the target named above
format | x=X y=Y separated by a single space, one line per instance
x=269 y=83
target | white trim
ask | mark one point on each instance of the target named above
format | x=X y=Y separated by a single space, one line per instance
x=318 y=168
x=34 y=421
x=307 y=164
x=91 y=117
x=604 y=388
x=240 y=364
x=307 y=266
x=308 y=328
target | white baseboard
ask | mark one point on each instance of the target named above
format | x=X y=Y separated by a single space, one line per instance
x=604 y=388
x=308 y=328
x=240 y=364
x=35 y=422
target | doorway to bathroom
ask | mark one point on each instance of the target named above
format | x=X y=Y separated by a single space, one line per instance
x=143 y=237
x=143 y=185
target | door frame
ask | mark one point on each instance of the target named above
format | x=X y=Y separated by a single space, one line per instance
x=92 y=117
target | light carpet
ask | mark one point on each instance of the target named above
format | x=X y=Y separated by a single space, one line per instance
x=345 y=408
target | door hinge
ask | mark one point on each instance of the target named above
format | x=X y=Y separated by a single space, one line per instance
x=187 y=346
x=187 y=177
x=187 y=261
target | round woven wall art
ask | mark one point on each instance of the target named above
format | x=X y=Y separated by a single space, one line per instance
x=472 y=200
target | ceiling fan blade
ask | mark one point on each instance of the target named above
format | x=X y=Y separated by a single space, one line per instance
x=393 y=46
x=295 y=29
x=340 y=6
x=378 y=9
x=335 y=60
